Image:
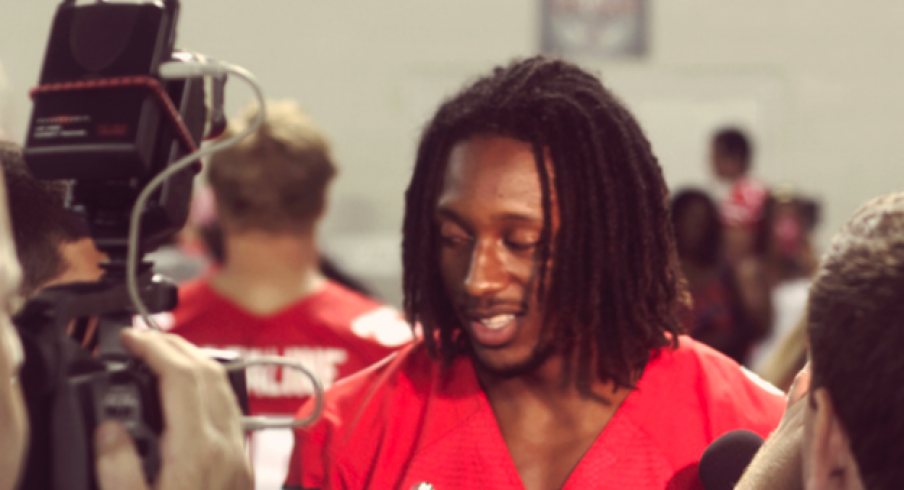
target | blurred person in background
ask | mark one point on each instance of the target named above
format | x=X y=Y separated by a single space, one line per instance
x=718 y=316
x=740 y=196
x=52 y=244
x=210 y=236
x=787 y=260
x=742 y=200
x=269 y=296
x=185 y=257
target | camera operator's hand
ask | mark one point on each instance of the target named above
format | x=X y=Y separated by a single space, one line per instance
x=202 y=447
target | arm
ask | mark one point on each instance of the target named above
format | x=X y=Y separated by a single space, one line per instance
x=202 y=447
x=777 y=465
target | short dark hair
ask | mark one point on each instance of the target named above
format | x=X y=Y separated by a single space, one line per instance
x=613 y=290
x=856 y=329
x=39 y=220
x=733 y=142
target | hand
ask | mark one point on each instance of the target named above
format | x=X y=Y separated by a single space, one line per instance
x=202 y=446
x=777 y=465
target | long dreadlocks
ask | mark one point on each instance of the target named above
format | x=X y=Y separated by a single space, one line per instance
x=612 y=288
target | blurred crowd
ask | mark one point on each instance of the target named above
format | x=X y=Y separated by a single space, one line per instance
x=747 y=254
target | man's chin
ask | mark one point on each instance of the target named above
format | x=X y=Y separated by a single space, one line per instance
x=493 y=364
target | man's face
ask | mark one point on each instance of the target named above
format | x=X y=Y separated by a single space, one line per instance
x=725 y=166
x=82 y=260
x=490 y=218
x=12 y=409
x=693 y=223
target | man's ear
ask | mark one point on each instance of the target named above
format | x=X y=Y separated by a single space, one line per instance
x=833 y=463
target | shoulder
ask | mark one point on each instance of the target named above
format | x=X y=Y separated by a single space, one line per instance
x=690 y=395
x=374 y=421
x=364 y=317
x=194 y=289
x=195 y=297
x=732 y=396
x=349 y=406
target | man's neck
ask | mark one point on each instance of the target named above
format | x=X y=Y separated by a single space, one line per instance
x=266 y=272
x=546 y=389
x=549 y=425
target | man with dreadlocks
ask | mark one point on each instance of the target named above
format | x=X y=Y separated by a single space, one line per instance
x=540 y=262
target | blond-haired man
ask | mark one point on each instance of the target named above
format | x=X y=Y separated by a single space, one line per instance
x=269 y=297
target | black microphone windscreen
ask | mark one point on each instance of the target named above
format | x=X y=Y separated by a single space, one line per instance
x=725 y=460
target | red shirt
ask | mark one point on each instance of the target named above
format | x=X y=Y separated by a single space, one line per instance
x=406 y=421
x=333 y=332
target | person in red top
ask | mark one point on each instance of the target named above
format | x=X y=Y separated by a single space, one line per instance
x=539 y=260
x=269 y=298
x=743 y=200
x=334 y=332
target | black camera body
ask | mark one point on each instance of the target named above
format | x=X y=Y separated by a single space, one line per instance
x=101 y=134
x=104 y=120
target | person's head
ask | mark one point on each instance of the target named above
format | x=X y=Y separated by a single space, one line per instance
x=731 y=153
x=51 y=246
x=855 y=418
x=12 y=408
x=536 y=226
x=275 y=180
x=698 y=230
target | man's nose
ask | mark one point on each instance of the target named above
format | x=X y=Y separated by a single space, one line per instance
x=487 y=273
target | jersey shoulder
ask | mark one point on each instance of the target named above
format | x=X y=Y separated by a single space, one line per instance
x=354 y=403
x=732 y=396
x=374 y=421
x=690 y=395
x=196 y=298
x=343 y=309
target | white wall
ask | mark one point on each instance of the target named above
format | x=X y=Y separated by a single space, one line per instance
x=818 y=82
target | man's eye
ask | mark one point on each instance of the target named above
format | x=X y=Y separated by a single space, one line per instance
x=455 y=240
x=521 y=246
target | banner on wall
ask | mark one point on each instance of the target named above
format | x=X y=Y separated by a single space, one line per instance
x=594 y=28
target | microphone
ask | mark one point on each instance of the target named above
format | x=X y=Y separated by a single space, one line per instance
x=725 y=460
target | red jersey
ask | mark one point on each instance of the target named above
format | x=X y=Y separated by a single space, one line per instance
x=406 y=422
x=333 y=332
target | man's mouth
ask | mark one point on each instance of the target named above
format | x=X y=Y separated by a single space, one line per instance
x=494 y=330
x=496 y=322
